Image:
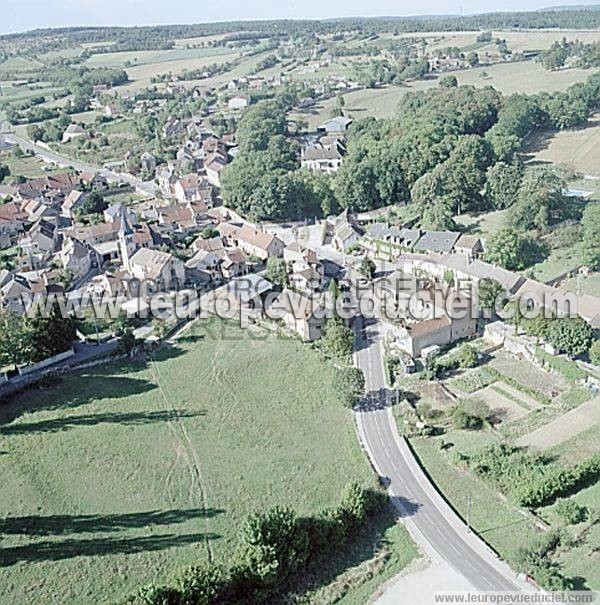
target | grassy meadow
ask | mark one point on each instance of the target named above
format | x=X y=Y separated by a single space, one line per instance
x=122 y=474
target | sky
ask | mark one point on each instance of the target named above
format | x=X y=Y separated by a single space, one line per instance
x=21 y=15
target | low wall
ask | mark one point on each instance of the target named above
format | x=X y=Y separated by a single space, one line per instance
x=34 y=367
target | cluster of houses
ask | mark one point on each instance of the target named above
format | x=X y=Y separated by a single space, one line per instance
x=198 y=163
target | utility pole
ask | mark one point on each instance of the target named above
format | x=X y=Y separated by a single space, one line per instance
x=469 y=512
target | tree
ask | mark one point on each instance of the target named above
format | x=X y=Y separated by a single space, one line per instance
x=53 y=334
x=338 y=340
x=470 y=414
x=466 y=357
x=259 y=123
x=540 y=200
x=448 y=82
x=472 y=59
x=502 y=184
x=349 y=384
x=571 y=334
x=272 y=547
x=127 y=341
x=595 y=353
x=570 y=512
x=209 y=232
x=590 y=240
x=438 y=217
x=277 y=271
x=367 y=267
x=94 y=203
x=513 y=250
x=200 y=584
x=15 y=339
x=489 y=293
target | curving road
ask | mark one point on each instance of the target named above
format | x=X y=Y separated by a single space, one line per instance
x=433 y=524
x=147 y=188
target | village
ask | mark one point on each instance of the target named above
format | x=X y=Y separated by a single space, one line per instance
x=338 y=276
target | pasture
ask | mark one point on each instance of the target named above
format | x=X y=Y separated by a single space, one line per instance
x=121 y=474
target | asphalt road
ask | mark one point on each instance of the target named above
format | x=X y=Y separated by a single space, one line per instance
x=147 y=188
x=434 y=525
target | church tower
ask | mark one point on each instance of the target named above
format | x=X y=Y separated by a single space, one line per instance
x=127 y=246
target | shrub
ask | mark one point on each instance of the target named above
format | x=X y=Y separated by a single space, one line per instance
x=467 y=357
x=158 y=595
x=470 y=414
x=535 y=560
x=529 y=480
x=570 y=512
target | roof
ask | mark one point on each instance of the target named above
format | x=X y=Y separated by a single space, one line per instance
x=72 y=199
x=234 y=256
x=383 y=231
x=75 y=248
x=63 y=182
x=437 y=241
x=256 y=237
x=189 y=181
x=428 y=326
x=215 y=162
x=563 y=303
x=211 y=244
x=152 y=261
x=11 y=212
x=320 y=152
x=300 y=305
x=74 y=129
x=228 y=230
x=468 y=241
x=336 y=124
x=202 y=258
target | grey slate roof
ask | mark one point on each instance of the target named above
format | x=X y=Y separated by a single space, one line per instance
x=437 y=241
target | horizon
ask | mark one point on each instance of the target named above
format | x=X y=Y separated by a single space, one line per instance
x=22 y=16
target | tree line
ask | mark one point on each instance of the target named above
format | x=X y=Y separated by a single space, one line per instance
x=274 y=549
x=25 y=340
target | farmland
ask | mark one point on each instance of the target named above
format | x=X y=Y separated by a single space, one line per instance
x=177 y=463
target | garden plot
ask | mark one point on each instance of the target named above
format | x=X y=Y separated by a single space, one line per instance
x=502 y=404
x=527 y=374
x=569 y=425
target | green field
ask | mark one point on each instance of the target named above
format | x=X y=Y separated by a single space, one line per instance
x=522 y=77
x=147 y=57
x=122 y=474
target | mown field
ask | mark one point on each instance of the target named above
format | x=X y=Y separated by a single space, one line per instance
x=578 y=149
x=122 y=474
